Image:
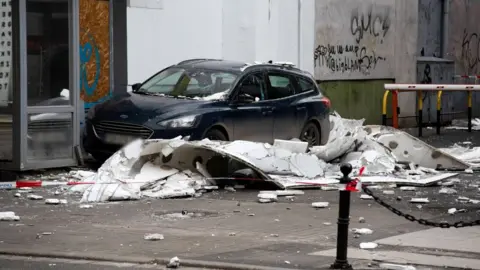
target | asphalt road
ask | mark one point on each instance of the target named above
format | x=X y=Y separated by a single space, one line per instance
x=16 y=263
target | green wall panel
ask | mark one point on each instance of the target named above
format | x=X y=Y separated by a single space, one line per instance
x=357 y=99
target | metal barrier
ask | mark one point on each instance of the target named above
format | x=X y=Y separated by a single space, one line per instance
x=420 y=88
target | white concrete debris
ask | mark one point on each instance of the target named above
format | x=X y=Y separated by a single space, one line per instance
x=362 y=231
x=468 y=154
x=17 y=195
x=366 y=197
x=153 y=237
x=391 y=266
x=419 y=200
x=174 y=263
x=320 y=204
x=447 y=190
x=86 y=206
x=9 y=216
x=406 y=188
x=55 y=201
x=462 y=124
x=267 y=197
x=171 y=168
x=368 y=245
x=34 y=197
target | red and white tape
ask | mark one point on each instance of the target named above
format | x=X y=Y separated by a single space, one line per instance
x=352 y=186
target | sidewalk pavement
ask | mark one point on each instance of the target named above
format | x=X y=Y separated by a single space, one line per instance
x=221 y=230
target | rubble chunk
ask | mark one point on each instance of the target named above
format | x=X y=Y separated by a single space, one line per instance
x=55 y=201
x=391 y=266
x=368 y=245
x=153 y=237
x=361 y=220
x=447 y=190
x=9 y=216
x=320 y=204
x=174 y=263
x=362 y=231
x=366 y=197
x=388 y=192
x=34 y=197
x=267 y=197
x=419 y=200
x=408 y=188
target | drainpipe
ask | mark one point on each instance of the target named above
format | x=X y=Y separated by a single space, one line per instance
x=299 y=33
x=444 y=29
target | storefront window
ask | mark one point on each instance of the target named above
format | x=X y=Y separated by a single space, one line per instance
x=48 y=52
x=6 y=80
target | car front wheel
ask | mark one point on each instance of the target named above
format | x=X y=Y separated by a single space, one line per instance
x=311 y=134
x=215 y=135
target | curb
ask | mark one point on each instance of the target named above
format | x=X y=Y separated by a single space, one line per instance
x=139 y=260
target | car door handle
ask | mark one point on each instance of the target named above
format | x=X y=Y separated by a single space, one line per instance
x=300 y=108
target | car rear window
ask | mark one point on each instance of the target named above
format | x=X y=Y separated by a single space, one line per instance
x=305 y=85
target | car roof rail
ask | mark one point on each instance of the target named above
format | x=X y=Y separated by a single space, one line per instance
x=194 y=60
x=278 y=64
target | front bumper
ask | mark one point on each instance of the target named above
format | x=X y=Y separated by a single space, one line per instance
x=94 y=142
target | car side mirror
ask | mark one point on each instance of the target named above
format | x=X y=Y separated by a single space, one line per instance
x=244 y=99
x=136 y=87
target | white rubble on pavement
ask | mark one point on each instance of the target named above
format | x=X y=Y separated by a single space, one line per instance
x=320 y=204
x=9 y=216
x=462 y=124
x=368 y=245
x=174 y=263
x=153 y=237
x=172 y=168
x=470 y=155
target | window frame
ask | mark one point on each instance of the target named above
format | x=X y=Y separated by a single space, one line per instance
x=238 y=85
x=282 y=73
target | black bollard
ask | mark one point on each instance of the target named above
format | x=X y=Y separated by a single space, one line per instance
x=341 y=261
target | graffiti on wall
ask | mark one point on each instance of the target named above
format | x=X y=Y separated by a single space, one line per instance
x=357 y=48
x=470 y=51
x=94 y=52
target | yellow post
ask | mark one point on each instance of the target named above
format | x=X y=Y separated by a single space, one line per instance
x=420 y=112
x=469 y=111
x=439 y=110
x=384 y=107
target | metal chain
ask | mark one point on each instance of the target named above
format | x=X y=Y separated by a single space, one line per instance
x=443 y=224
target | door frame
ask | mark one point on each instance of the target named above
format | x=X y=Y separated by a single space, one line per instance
x=22 y=110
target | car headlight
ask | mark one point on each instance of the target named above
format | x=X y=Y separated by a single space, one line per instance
x=181 y=122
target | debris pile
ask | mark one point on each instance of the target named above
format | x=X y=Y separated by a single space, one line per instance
x=170 y=168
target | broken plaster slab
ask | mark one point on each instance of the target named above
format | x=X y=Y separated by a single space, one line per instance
x=407 y=148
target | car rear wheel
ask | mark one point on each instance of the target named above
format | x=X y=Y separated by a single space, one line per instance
x=311 y=134
x=215 y=135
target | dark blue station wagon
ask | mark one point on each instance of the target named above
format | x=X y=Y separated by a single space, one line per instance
x=215 y=99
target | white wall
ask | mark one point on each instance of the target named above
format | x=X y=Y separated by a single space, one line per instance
x=245 y=30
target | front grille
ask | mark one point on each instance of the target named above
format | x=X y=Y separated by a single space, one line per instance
x=122 y=128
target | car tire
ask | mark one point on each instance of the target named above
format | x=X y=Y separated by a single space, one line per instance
x=215 y=135
x=311 y=134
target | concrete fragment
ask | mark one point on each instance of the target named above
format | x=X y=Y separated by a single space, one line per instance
x=407 y=188
x=267 y=197
x=86 y=206
x=388 y=192
x=447 y=190
x=174 y=263
x=153 y=237
x=362 y=231
x=366 y=197
x=292 y=146
x=34 y=197
x=55 y=201
x=368 y=245
x=9 y=216
x=419 y=200
x=391 y=266
x=361 y=220
x=17 y=195
x=320 y=204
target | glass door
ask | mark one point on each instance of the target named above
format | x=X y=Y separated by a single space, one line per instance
x=51 y=41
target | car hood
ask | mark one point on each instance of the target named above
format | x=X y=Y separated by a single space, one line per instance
x=139 y=108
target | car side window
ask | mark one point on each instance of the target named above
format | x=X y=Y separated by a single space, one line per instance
x=254 y=86
x=305 y=85
x=281 y=86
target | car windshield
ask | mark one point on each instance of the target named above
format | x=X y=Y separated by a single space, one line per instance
x=191 y=83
